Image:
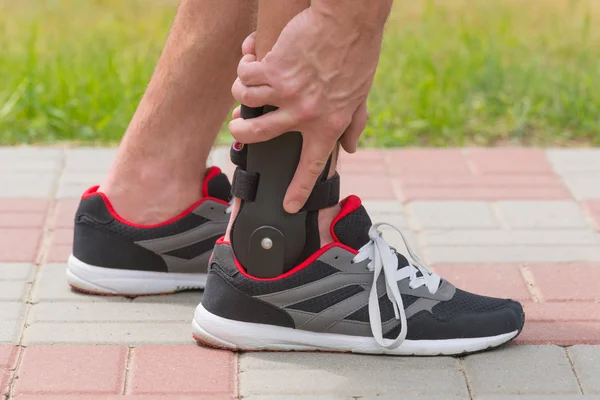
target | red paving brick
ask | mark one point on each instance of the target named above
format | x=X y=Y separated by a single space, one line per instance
x=121 y=397
x=367 y=186
x=365 y=161
x=64 y=213
x=496 y=280
x=19 y=245
x=560 y=333
x=181 y=370
x=573 y=311
x=423 y=162
x=61 y=245
x=508 y=161
x=565 y=282
x=72 y=370
x=16 y=213
x=8 y=356
x=593 y=209
x=23 y=206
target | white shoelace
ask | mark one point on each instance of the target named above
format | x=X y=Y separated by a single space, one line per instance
x=384 y=259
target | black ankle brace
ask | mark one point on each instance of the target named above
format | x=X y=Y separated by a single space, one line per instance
x=266 y=239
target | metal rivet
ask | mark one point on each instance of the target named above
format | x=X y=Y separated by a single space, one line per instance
x=266 y=243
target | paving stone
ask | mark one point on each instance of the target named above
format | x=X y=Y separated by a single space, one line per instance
x=73 y=184
x=562 y=333
x=496 y=280
x=348 y=375
x=79 y=159
x=13 y=290
x=22 y=220
x=51 y=285
x=583 y=186
x=110 y=312
x=26 y=184
x=367 y=186
x=573 y=311
x=423 y=162
x=476 y=237
x=508 y=161
x=64 y=213
x=191 y=297
x=182 y=370
x=400 y=394
x=8 y=356
x=542 y=214
x=61 y=245
x=19 y=245
x=574 y=160
x=121 y=397
x=538 y=397
x=521 y=370
x=585 y=360
x=125 y=333
x=23 y=206
x=16 y=271
x=14 y=153
x=511 y=254
x=10 y=331
x=451 y=215
x=563 y=282
x=72 y=370
x=365 y=161
x=593 y=209
x=11 y=310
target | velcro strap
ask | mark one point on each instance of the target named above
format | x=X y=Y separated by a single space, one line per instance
x=324 y=194
x=244 y=185
x=238 y=154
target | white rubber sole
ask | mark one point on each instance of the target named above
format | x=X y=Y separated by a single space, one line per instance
x=235 y=335
x=108 y=281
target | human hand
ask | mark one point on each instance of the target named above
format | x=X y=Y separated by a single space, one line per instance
x=318 y=74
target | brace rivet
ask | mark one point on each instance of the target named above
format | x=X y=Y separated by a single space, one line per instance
x=266 y=243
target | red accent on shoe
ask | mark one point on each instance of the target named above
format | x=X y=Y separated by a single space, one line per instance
x=349 y=204
x=210 y=173
x=292 y=271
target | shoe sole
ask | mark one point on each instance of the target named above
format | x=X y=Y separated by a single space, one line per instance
x=223 y=333
x=131 y=283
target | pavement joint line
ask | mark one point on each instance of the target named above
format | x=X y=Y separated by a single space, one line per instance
x=130 y=350
x=43 y=249
x=566 y=350
x=461 y=367
x=527 y=275
x=15 y=371
x=504 y=225
x=236 y=375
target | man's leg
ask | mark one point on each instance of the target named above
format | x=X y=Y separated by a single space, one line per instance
x=150 y=228
x=161 y=162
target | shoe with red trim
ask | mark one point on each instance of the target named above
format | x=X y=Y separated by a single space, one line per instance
x=112 y=256
x=356 y=294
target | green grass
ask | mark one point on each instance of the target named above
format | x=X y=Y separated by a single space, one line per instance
x=452 y=72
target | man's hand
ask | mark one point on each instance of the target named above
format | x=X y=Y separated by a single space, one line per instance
x=318 y=74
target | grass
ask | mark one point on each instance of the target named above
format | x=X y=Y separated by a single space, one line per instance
x=452 y=72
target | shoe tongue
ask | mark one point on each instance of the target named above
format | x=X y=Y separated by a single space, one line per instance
x=351 y=225
x=216 y=184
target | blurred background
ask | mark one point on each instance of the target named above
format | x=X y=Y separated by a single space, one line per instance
x=452 y=72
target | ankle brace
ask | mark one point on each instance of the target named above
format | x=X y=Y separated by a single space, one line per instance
x=266 y=239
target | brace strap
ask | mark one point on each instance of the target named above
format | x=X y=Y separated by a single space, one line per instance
x=325 y=193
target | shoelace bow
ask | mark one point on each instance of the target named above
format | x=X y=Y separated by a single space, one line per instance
x=384 y=259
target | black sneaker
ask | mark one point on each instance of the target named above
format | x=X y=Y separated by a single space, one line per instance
x=112 y=256
x=354 y=295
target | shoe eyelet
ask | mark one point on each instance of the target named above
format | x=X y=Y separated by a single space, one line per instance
x=336 y=257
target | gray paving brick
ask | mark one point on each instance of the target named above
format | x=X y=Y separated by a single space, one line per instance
x=387 y=211
x=12 y=310
x=521 y=370
x=586 y=360
x=510 y=254
x=399 y=395
x=538 y=397
x=10 y=331
x=89 y=159
x=26 y=184
x=451 y=215
x=16 y=271
x=108 y=333
x=541 y=214
x=574 y=160
x=555 y=237
x=9 y=153
x=583 y=186
x=111 y=312
x=29 y=165
x=13 y=290
x=51 y=285
x=348 y=375
x=73 y=184
x=192 y=297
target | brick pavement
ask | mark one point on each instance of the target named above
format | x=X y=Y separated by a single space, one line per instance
x=523 y=223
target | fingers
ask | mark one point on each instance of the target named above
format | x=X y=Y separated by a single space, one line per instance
x=263 y=128
x=253 y=96
x=349 y=139
x=252 y=72
x=249 y=44
x=237 y=112
x=312 y=162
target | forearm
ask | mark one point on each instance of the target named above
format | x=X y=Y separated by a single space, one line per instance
x=365 y=16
